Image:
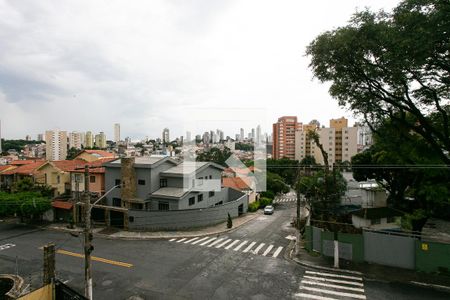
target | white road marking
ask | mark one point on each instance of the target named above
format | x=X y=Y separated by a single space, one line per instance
x=171 y=240
x=240 y=245
x=315 y=297
x=333 y=286
x=179 y=241
x=6 y=246
x=334 y=275
x=224 y=243
x=215 y=242
x=249 y=247
x=350 y=295
x=198 y=241
x=232 y=244
x=258 y=248
x=191 y=240
x=334 y=280
x=267 y=250
x=210 y=240
x=275 y=254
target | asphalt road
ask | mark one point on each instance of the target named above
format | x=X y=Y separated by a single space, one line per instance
x=192 y=268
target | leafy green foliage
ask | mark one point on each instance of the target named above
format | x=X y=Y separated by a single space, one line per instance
x=215 y=155
x=393 y=65
x=268 y=194
x=24 y=204
x=72 y=153
x=263 y=202
x=285 y=168
x=17 y=144
x=275 y=184
x=229 y=221
x=254 y=206
x=244 y=147
x=323 y=191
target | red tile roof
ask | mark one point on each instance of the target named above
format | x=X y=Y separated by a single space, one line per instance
x=236 y=183
x=67 y=165
x=101 y=153
x=62 y=204
x=94 y=166
x=4 y=168
x=23 y=162
x=28 y=169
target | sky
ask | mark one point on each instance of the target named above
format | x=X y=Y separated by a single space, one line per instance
x=194 y=65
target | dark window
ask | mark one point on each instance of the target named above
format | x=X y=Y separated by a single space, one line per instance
x=200 y=197
x=163 y=182
x=117 y=202
x=391 y=219
x=136 y=206
x=118 y=182
x=219 y=203
x=210 y=176
x=131 y=219
x=92 y=179
x=375 y=221
x=211 y=194
x=192 y=201
x=141 y=181
x=163 y=206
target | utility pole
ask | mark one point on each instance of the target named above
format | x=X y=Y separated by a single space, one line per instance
x=297 y=192
x=49 y=263
x=87 y=236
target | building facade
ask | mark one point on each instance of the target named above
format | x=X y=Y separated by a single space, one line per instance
x=116 y=132
x=100 y=140
x=89 y=140
x=56 y=144
x=75 y=140
x=165 y=135
x=284 y=137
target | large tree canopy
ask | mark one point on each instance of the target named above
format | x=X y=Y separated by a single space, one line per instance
x=393 y=65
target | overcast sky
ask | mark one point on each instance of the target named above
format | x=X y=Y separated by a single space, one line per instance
x=186 y=65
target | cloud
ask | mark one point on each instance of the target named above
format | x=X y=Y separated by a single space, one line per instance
x=85 y=65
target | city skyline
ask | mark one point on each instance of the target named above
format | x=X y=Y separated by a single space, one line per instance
x=150 y=77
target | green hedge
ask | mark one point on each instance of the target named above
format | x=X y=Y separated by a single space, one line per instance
x=252 y=207
x=263 y=202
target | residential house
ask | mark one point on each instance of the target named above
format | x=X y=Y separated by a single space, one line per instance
x=242 y=184
x=19 y=171
x=93 y=155
x=57 y=174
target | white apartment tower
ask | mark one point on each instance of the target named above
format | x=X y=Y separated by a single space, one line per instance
x=165 y=135
x=75 y=140
x=56 y=145
x=117 y=132
x=89 y=140
x=100 y=140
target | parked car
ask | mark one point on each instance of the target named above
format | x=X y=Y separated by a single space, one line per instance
x=268 y=210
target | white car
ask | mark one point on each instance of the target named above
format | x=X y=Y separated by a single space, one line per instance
x=268 y=210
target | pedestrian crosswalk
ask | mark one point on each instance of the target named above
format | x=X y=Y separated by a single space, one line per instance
x=244 y=246
x=284 y=199
x=330 y=286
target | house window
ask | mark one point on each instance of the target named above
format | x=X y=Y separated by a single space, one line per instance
x=192 y=201
x=375 y=221
x=211 y=194
x=210 y=176
x=200 y=197
x=141 y=181
x=163 y=182
x=92 y=179
x=58 y=179
x=136 y=206
x=117 y=202
x=163 y=206
x=117 y=182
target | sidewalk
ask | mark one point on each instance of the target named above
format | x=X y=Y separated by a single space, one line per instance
x=149 y=235
x=368 y=271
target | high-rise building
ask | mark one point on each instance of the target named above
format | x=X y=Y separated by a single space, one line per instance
x=241 y=135
x=40 y=137
x=100 y=140
x=165 y=135
x=258 y=134
x=89 y=140
x=338 y=140
x=188 y=136
x=284 y=137
x=206 y=137
x=75 y=140
x=56 y=144
x=28 y=137
x=253 y=134
x=117 y=132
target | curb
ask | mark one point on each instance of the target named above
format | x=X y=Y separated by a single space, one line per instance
x=288 y=256
x=156 y=237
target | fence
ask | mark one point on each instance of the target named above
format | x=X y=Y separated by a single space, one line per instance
x=384 y=248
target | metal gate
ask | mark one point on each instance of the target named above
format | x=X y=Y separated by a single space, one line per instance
x=317 y=239
x=389 y=249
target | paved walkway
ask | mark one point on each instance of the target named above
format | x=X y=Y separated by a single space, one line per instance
x=369 y=271
x=148 y=235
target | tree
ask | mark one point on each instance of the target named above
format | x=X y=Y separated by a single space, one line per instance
x=215 y=155
x=286 y=168
x=229 y=221
x=275 y=183
x=393 y=65
x=72 y=153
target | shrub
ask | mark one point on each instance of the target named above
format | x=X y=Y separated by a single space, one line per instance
x=268 y=194
x=229 y=222
x=263 y=202
x=252 y=207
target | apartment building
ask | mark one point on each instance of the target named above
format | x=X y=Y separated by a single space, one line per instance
x=75 y=140
x=100 y=140
x=117 y=132
x=339 y=141
x=284 y=137
x=89 y=140
x=56 y=144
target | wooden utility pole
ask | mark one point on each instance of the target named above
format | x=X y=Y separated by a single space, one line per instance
x=49 y=263
x=87 y=236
